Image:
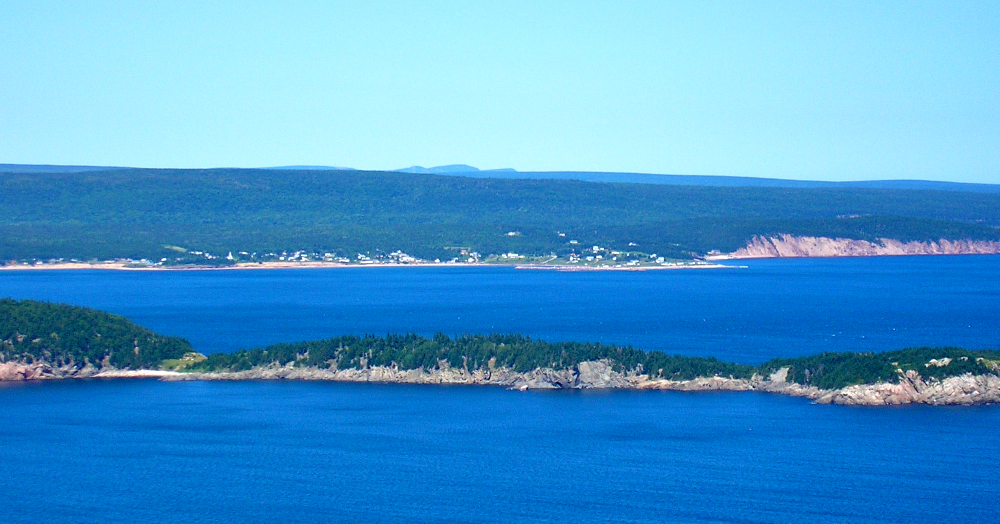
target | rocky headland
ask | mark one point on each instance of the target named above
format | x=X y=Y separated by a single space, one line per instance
x=967 y=389
x=44 y=341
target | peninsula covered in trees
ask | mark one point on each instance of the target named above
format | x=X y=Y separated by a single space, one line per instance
x=40 y=340
x=231 y=216
x=74 y=338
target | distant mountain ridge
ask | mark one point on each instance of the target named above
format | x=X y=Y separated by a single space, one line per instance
x=464 y=170
x=725 y=181
x=456 y=169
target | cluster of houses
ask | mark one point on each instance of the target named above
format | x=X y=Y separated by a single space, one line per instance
x=598 y=255
x=595 y=255
x=394 y=257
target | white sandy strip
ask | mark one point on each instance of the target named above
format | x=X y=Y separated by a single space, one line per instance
x=568 y=268
x=121 y=266
x=66 y=265
x=137 y=373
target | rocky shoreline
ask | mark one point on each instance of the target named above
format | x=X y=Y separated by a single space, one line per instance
x=966 y=389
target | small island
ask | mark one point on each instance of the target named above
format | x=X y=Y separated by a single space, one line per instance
x=44 y=341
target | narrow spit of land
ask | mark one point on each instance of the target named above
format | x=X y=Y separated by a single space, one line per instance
x=556 y=266
x=40 y=340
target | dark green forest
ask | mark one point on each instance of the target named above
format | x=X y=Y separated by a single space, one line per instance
x=515 y=352
x=521 y=353
x=62 y=335
x=836 y=370
x=163 y=213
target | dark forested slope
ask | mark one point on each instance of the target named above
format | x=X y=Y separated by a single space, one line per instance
x=140 y=212
x=62 y=335
x=515 y=352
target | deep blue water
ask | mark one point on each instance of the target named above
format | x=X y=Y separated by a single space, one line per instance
x=142 y=450
x=147 y=451
x=771 y=308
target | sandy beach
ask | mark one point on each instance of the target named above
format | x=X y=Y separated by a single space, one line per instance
x=568 y=268
x=126 y=266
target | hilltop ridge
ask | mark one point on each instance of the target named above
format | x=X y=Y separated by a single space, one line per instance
x=228 y=216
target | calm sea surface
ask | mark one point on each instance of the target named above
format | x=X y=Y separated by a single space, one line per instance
x=141 y=450
x=771 y=308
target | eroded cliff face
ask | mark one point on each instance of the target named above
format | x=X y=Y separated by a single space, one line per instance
x=965 y=390
x=782 y=246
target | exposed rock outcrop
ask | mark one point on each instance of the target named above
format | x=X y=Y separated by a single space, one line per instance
x=14 y=371
x=789 y=246
x=586 y=375
x=965 y=389
x=911 y=388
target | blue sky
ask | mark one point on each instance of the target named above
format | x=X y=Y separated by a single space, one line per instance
x=830 y=91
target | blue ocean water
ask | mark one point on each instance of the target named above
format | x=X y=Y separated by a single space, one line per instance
x=143 y=450
x=148 y=451
x=769 y=309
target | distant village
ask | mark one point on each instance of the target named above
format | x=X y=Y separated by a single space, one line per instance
x=595 y=256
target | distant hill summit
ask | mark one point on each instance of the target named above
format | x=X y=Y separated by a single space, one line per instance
x=457 y=169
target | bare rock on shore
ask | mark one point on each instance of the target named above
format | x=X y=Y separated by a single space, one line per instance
x=966 y=389
x=15 y=371
x=698 y=384
x=37 y=370
x=20 y=371
x=586 y=375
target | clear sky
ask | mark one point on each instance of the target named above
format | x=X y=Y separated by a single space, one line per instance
x=832 y=91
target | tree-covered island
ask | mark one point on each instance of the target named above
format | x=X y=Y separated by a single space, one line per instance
x=43 y=340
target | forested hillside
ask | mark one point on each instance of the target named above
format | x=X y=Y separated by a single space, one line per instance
x=62 y=335
x=515 y=352
x=522 y=354
x=146 y=213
